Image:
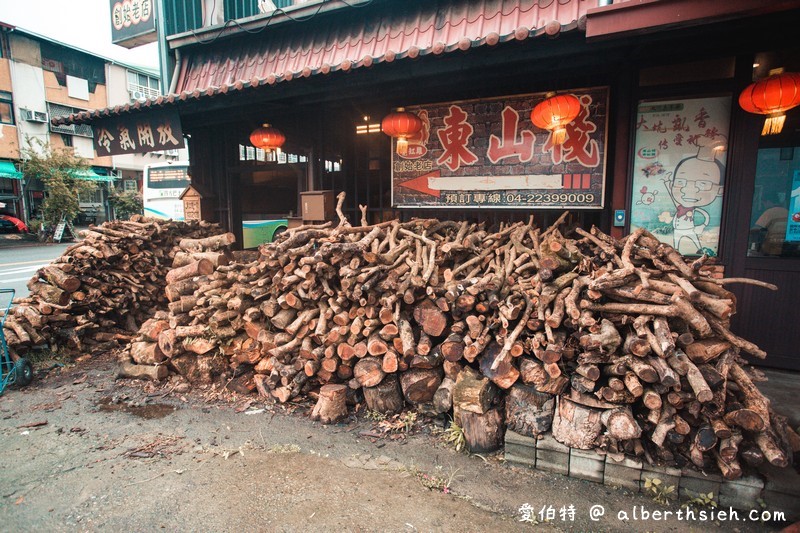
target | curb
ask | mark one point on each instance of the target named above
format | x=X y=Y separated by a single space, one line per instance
x=779 y=488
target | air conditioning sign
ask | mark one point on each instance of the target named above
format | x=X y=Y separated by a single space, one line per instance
x=146 y=132
x=133 y=22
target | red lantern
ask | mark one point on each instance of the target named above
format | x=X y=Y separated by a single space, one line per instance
x=401 y=125
x=555 y=113
x=267 y=138
x=772 y=96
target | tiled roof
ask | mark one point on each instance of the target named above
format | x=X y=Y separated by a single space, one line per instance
x=359 y=38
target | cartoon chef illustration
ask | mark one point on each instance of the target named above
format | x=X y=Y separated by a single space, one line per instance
x=696 y=182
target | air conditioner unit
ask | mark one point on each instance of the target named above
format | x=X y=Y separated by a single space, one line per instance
x=33 y=116
x=137 y=95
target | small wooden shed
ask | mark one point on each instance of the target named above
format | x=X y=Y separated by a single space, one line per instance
x=197 y=205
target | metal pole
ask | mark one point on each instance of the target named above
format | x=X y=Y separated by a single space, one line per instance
x=163 y=49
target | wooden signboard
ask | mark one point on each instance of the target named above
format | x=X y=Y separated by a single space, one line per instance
x=137 y=134
x=488 y=154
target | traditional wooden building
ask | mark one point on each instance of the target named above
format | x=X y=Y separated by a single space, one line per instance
x=659 y=139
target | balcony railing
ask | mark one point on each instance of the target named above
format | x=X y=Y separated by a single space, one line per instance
x=186 y=15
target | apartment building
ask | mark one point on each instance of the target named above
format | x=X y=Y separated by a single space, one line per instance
x=42 y=79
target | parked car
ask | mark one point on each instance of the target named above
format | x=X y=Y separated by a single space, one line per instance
x=9 y=224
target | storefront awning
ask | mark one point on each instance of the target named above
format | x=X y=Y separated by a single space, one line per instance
x=8 y=170
x=90 y=175
x=358 y=38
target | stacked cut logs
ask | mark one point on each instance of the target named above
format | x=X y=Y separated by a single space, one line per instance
x=102 y=287
x=168 y=334
x=619 y=345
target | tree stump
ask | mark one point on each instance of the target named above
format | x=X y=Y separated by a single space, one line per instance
x=473 y=392
x=132 y=371
x=575 y=425
x=385 y=397
x=529 y=412
x=331 y=406
x=483 y=432
x=420 y=384
x=620 y=424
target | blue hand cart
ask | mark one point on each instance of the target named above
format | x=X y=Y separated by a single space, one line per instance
x=11 y=372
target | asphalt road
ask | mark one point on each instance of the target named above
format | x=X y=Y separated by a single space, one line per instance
x=19 y=262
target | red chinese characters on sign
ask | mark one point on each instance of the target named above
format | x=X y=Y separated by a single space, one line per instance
x=509 y=145
x=417 y=142
x=487 y=153
x=579 y=145
x=454 y=138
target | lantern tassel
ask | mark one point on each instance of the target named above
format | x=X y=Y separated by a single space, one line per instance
x=559 y=136
x=773 y=125
x=402 y=146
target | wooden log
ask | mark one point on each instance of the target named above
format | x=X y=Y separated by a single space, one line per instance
x=473 y=392
x=620 y=424
x=432 y=320
x=453 y=347
x=746 y=419
x=753 y=399
x=633 y=385
x=183 y=305
x=483 y=433
x=207 y=244
x=420 y=384
x=181 y=288
x=443 y=398
x=642 y=370
x=666 y=375
x=203 y=267
x=331 y=405
x=146 y=353
x=532 y=372
x=385 y=397
x=504 y=374
x=376 y=345
x=730 y=468
x=133 y=371
x=390 y=362
x=283 y=318
x=49 y=293
x=184 y=258
x=198 y=345
x=452 y=369
x=198 y=369
x=368 y=371
x=705 y=350
x=576 y=426
x=529 y=412
x=554 y=385
x=407 y=342
x=56 y=276
x=768 y=445
x=701 y=389
x=168 y=343
x=729 y=447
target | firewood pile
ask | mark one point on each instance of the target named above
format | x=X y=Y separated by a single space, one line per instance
x=102 y=287
x=618 y=345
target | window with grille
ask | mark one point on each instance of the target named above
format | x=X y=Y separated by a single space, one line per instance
x=61 y=111
x=142 y=86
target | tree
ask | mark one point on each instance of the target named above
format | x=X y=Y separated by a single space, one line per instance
x=58 y=168
x=126 y=204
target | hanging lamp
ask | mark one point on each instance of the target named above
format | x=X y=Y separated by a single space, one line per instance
x=267 y=138
x=772 y=96
x=401 y=125
x=554 y=113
